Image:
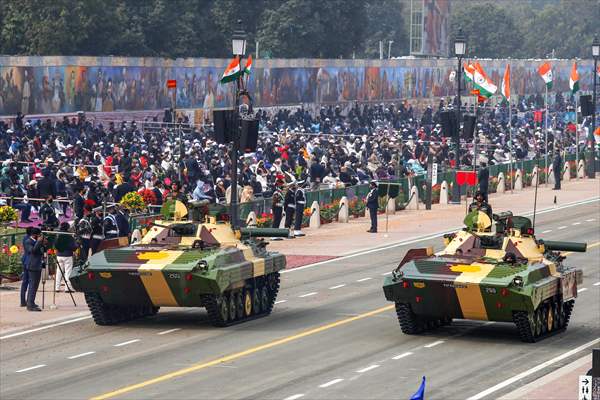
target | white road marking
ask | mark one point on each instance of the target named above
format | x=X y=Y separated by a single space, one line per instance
x=583 y=289
x=308 y=294
x=547 y=231
x=81 y=355
x=576 y=223
x=363 y=279
x=30 y=368
x=370 y=367
x=126 y=343
x=430 y=345
x=597 y=284
x=531 y=371
x=561 y=227
x=408 y=353
x=418 y=239
x=169 y=331
x=337 y=286
x=590 y=220
x=331 y=383
x=295 y=396
x=44 y=327
x=280 y=301
x=386 y=273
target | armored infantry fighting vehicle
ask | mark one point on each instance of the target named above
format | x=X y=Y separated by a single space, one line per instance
x=504 y=275
x=179 y=262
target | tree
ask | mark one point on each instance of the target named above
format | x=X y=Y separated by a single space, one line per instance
x=385 y=21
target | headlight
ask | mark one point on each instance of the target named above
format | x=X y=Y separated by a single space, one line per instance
x=518 y=281
x=202 y=265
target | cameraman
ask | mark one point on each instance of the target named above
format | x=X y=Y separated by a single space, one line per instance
x=65 y=246
x=34 y=255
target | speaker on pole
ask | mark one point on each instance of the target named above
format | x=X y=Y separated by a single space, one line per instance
x=224 y=125
x=469 y=122
x=249 y=136
x=587 y=108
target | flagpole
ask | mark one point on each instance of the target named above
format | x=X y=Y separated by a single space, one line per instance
x=546 y=140
x=510 y=137
x=576 y=138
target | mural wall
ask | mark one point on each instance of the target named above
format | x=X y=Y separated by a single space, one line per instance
x=43 y=85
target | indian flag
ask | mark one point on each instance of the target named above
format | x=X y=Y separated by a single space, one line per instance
x=574 y=79
x=469 y=72
x=482 y=83
x=505 y=88
x=545 y=72
x=232 y=71
x=248 y=67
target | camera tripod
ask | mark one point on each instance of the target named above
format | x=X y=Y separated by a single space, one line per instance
x=63 y=278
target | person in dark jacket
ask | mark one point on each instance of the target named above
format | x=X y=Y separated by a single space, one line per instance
x=484 y=177
x=46 y=187
x=65 y=247
x=34 y=251
x=557 y=169
x=25 y=275
x=300 y=201
x=289 y=204
x=373 y=205
x=122 y=189
x=122 y=222
x=79 y=202
x=48 y=214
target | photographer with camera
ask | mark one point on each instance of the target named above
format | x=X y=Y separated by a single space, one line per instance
x=35 y=247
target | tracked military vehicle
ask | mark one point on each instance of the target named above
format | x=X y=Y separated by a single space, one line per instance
x=505 y=275
x=181 y=262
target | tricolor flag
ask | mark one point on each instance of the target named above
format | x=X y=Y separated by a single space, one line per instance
x=574 y=79
x=482 y=83
x=506 y=84
x=232 y=71
x=545 y=72
x=248 y=67
x=469 y=72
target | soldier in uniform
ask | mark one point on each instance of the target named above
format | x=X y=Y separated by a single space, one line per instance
x=278 y=202
x=373 y=205
x=97 y=229
x=111 y=228
x=300 y=202
x=84 y=231
x=289 y=204
x=479 y=204
x=557 y=169
x=122 y=222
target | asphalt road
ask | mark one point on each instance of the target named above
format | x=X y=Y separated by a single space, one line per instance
x=333 y=335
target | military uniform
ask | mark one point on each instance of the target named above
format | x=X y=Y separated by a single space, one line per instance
x=373 y=206
x=481 y=206
x=84 y=230
x=277 y=207
x=300 y=202
x=290 y=206
x=111 y=229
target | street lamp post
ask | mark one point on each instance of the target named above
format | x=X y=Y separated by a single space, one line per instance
x=592 y=162
x=239 y=50
x=460 y=47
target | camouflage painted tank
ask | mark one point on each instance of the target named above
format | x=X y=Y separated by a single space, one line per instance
x=184 y=263
x=507 y=275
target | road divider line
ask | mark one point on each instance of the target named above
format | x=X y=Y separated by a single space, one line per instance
x=369 y=368
x=337 y=286
x=89 y=353
x=44 y=327
x=127 y=342
x=561 y=227
x=430 y=345
x=386 y=273
x=31 y=368
x=308 y=294
x=576 y=223
x=331 y=383
x=408 y=353
x=169 y=331
x=363 y=279
x=547 y=231
x=295 y=396
x=590 y=220
x=531 y=371
x=583 y=289
x=597 y=284
x=243 y=353
x=280 y=301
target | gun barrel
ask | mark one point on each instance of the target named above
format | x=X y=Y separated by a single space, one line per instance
x=263 y=232
x=556 y=245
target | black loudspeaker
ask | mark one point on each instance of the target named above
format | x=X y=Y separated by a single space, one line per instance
x=225 y=123
x=587 y=107
x=469 y=122
x=249 y=136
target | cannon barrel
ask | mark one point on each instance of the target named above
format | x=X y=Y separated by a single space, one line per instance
x=263 y=232
x=557 y=245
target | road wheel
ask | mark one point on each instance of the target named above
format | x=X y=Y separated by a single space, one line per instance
x=248 y=302
x=264 y=299
x=550 y=317
x=409 y=322
x=239 y=304
x=525 y=322
x=538 y=322
x=256 y=304
x=223 y=308
x=232 y=307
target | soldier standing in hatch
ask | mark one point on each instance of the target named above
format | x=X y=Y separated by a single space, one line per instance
x=480 y=204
